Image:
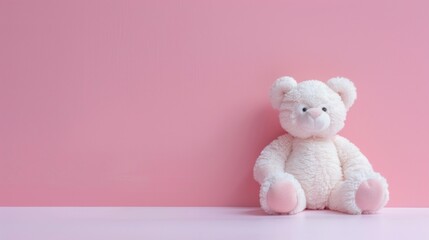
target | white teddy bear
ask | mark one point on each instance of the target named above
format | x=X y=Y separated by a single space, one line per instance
x=312 y=167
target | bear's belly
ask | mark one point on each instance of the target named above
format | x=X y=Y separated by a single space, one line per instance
x=315 y=164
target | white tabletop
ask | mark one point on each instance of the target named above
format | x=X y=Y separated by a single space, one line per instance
x=63 y=223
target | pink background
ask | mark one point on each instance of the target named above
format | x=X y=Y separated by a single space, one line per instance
x=166 y=102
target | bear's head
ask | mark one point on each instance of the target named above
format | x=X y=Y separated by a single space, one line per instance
x=312 y=108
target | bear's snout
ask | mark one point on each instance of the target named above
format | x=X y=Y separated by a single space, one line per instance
x=314 y=112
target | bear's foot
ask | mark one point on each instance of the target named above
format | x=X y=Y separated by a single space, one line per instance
x=281 y=197
x=370 y=196
x=282 y=194
x=362 y=193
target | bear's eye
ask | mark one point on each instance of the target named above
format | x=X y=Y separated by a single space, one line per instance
x=324 y=109
x=304 y=109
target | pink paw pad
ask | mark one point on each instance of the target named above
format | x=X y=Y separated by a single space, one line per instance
x=281 y=197
x=369 y=196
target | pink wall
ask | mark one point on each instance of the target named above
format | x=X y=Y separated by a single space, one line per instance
x=165 y=103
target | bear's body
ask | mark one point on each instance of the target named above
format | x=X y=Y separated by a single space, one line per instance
x=319 y=160
x=311 y=166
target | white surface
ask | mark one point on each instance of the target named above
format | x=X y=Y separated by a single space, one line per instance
x=59 y=223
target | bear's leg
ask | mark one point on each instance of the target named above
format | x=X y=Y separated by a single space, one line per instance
x=282 y=194
x=360 y=194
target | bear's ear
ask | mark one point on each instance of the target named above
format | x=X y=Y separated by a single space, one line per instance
x=345 y=88
x=280 y=87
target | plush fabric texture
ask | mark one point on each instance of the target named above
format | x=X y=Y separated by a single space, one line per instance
x=311 y=162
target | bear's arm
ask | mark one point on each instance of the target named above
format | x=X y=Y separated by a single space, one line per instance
x=353 y=162
x=272 y=159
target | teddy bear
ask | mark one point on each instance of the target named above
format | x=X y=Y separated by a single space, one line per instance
x=311 y=167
